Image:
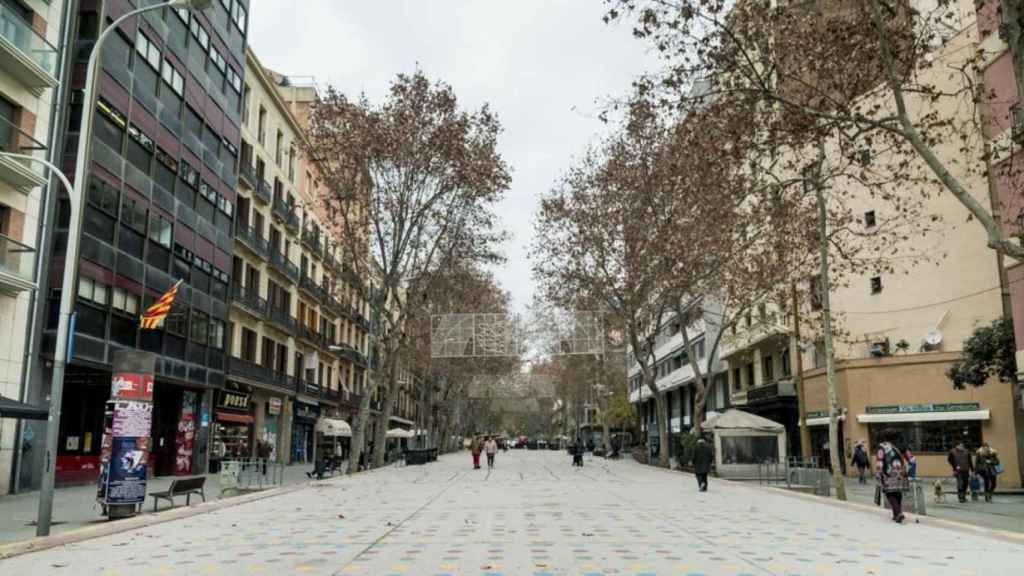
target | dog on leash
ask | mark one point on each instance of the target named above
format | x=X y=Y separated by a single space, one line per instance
x=940 y=495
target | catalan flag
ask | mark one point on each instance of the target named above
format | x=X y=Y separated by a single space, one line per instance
x=156 y=313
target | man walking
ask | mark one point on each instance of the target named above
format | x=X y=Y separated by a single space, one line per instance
x=860 y=461
x=986 y=462
x=702 y=459
x=491 y=448
x=960 y=460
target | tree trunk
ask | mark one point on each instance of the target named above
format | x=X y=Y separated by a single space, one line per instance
x=830 y=361
x=359 y=429
x=797 y=361
x=388 y=397
x=700 y=389
x=662 y=419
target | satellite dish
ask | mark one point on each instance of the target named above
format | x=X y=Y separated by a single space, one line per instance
x=933 y=338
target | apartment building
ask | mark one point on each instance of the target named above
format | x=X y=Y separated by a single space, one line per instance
x=159 y=207
x=29 y=59
x=898 y=333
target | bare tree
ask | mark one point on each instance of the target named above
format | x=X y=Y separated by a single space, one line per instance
x=413 y=181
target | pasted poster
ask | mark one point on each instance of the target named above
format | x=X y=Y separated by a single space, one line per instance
x=126 y=473
x=185 y=439
x=132 y=418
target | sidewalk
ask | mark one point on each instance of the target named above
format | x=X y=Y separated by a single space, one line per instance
x=1005 y=512
x=76 y=507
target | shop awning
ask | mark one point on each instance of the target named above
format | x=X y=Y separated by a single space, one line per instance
x=924 y=416
x=232 y=417
x=399 y=433
x=334 y=427
x=14 y=409
x=822 y=420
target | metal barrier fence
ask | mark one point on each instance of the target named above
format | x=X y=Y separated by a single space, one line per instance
x=250 y=474
x=802 y=475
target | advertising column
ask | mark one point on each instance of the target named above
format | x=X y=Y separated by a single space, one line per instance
x=125 y=447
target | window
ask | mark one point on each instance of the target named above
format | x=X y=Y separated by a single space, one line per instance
x=8 y=116
x=279 y=150
x=93 y=291
x=133 y=214
x=239 y=15
x=103 y=196
x=261 y=129
x=110 y=131
x=291 y=165
x=869 y=219
x=750 y=449
x=124 y=301
x=148 y=51
x=246 y=100
x=767 y=369
x=193 y=123
x=200 y=328
x=140 y=149
x=160 y=230
x=876 y=285
x=5 y=219
x=930 y=437
x=176 y=321
x=200 y=34
x=216 y=334
x=173 y=79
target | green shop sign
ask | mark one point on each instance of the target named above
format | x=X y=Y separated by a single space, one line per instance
x=818 y=414
x=918 y=408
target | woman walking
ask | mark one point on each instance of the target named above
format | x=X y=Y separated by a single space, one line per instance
x=475 y=448
x=860 y=461
x=891 y=474
x=986 y=464
x=491 y=448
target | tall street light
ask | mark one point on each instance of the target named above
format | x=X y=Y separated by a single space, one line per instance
x=67 y=293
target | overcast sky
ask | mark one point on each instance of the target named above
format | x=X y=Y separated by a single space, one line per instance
x=545 y=66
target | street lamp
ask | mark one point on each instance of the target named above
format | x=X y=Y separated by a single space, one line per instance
x=67 y=294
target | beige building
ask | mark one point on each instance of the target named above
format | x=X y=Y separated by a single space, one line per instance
x=900 y=332
x=29 y=32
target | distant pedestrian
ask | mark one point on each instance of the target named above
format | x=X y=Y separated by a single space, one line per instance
x=475 y=447
x=986 y=463
x=860 y=462
x=263 y=450
x=491 y=448
x=891 y=474
x=703 y=457
x=577 y=453
x=911 y=461
x=960 y=460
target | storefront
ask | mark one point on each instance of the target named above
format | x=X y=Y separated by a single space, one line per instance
x=232 y=427
x=175 y=420
x=86 y=392
x=271 y=422
x=304 y=417
x=912 y=396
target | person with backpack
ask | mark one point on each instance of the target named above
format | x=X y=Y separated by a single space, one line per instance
x=860 y=461
x=891 y=474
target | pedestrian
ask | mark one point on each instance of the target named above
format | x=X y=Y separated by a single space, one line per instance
x=960 y=460
x=475 y=448
x=860 y=461
x=703 y=457
x=891 y=474
x=911 y=461
x=263 y=450
x=577 y=453
x=986 y=463
x=491 y=448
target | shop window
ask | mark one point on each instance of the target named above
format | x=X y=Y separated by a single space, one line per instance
x=750 y=449
x=930 y=437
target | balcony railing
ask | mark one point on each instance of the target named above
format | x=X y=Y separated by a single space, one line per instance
x=16 y=263
x=251 y=238
x=311 y=336
x=282 y=380
x=248 y=298
x=284 y=265
x=311 y=239
x=247 y=174
x=247 y=369
x=279 y=209
x=282 y=318
x=773 y=391
x=263 y=191
x=309 y=285
x=308 y=388
x=37 y=61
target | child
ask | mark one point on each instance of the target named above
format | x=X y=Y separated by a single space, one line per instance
x=975 y=487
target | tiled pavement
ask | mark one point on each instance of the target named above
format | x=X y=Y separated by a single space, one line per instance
x=533 y=515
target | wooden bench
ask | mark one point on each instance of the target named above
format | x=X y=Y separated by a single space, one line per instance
x=181 y=487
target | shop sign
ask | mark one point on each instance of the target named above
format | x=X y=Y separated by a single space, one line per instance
x=274 y=406
x=132 y=386
x=132 y=418
x=307 y=411
x=919 y=408
x=234 y=401
x=817 y=414
x=126 y=476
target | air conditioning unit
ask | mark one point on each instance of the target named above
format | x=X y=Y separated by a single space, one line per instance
x=879 y=349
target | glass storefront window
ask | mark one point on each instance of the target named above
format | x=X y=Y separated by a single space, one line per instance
x=750 y=449
x=930 y=437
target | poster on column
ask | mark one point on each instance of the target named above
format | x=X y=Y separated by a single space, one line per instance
x=132 y=418
x=184 y=440
x=126 y=473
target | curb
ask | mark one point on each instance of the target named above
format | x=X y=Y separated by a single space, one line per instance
x=108 y=528
x=953 y=525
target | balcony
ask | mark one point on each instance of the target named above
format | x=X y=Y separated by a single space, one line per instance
x=310 y=286
x=16 y=263
x=247 y=369
x=310 y=335
x=282 y=318
x=311 y=239
x=280 y=210
x=351 y=398
x=308 y=388
x=22 y=175
x=263 y=193
x=251 y=238
x=282 y=380
x=24 y=54
x=332 y=394
x=285 y=266
x=773 y=392
x=247 y=175
x=248 y=300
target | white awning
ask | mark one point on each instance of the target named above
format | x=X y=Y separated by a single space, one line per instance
x=399 y=433
x=924 y=416
x=333 y=427
x=822 y=421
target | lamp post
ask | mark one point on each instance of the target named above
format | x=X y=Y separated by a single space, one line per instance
x=67 y=300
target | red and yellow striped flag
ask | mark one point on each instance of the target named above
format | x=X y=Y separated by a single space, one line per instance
x=156 y=313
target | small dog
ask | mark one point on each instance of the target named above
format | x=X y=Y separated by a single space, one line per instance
x=940 y=495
